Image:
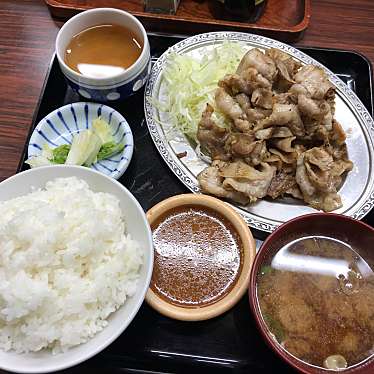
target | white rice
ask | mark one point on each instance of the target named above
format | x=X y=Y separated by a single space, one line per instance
x=66 y=264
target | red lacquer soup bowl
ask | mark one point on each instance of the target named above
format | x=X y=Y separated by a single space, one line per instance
x=312 y=293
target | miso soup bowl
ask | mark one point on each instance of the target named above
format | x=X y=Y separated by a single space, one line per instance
x=358 y=235
x=116 y=87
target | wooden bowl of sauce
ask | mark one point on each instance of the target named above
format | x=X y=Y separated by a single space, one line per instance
x=203 y=256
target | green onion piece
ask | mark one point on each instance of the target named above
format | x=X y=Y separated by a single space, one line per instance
x=109 y=149
x=266 y=270
x=274 y=326
x=60 y=154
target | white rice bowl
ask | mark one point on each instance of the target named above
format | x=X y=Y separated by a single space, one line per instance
x=75 y=262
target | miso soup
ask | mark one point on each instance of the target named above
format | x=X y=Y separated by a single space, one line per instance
x=103 y=51
x=316 y=296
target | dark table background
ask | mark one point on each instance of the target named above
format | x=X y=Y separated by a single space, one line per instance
x=27 y=34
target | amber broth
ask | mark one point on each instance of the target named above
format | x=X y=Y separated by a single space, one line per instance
x=316 y=296
x=103 y=51
x=198 y=256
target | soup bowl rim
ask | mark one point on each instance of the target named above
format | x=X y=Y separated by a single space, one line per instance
x=127 y=75
x=363 y=367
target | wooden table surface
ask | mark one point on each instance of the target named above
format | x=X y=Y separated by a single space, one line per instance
x=27 y=34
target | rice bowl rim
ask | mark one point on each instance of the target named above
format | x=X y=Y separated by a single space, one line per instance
x=79 y=171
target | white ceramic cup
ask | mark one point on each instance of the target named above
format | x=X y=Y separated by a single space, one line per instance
x=116 y=87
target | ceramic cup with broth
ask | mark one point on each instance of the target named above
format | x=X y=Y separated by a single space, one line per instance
x=104 y=54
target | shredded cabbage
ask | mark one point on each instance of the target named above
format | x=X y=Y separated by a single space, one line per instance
x=191 y=84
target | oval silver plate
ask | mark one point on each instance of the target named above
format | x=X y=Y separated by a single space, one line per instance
x=357 y=192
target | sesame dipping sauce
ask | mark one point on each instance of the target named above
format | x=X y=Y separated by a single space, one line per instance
x=198 y=256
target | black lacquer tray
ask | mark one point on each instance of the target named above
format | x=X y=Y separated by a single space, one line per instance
x=153 y=343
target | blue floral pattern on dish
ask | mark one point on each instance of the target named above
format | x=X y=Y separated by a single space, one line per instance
x=58 y=128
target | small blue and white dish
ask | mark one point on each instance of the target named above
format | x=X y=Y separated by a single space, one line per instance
x=105 y=89
x=58 y=128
